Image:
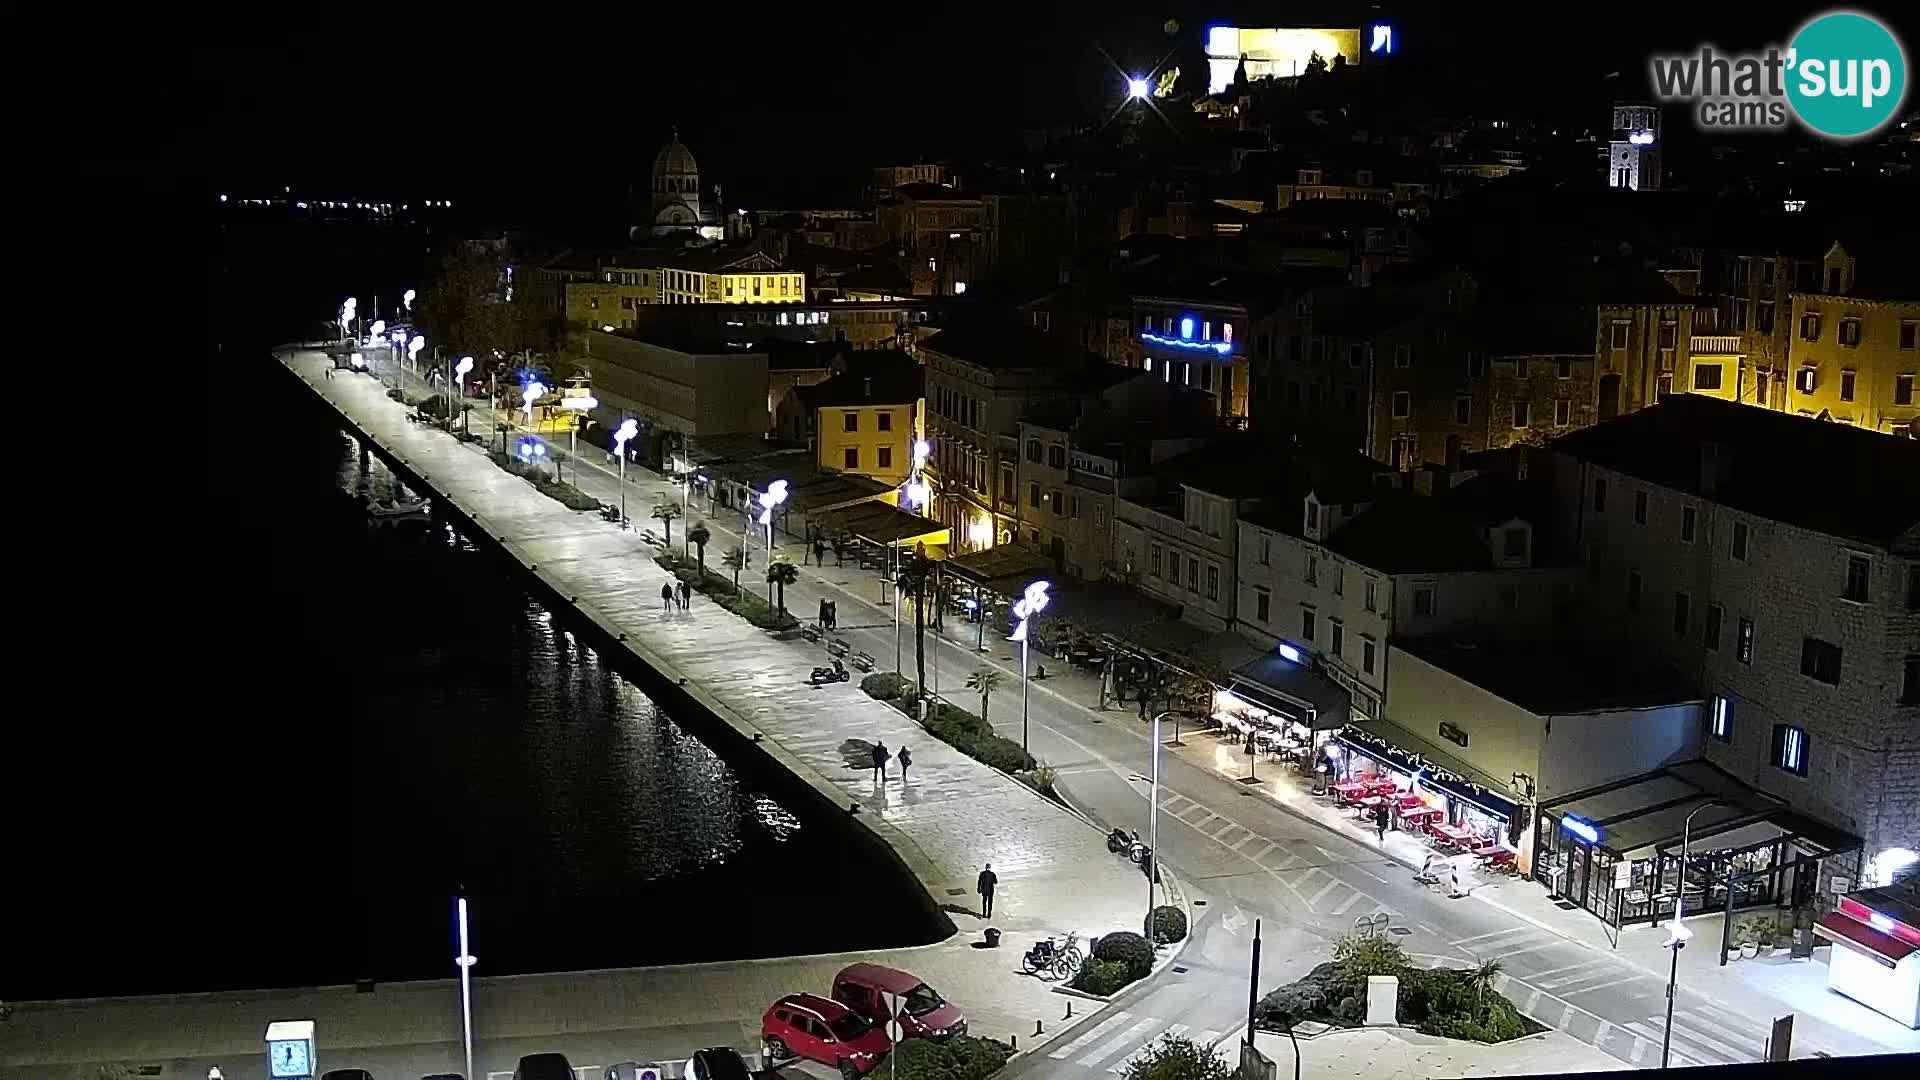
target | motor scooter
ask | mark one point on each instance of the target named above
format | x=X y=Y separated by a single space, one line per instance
x=822 y=675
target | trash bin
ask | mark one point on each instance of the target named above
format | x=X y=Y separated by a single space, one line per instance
x=993 y=937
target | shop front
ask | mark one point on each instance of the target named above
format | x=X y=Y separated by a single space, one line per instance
x=1286 y=728
x=1424 y=791
x=1876 y=953
x=1625 y=852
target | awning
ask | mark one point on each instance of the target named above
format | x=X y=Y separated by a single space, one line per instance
x=1648 y=812
x=1279 y=685
x=1398 y=748
x=1850 y=933
x=1005 y=569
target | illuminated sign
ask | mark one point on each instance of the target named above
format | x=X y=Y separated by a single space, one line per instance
x=1220 y=347
x=1584 y=830
x=1277 y=52
x=1380 y=39
x=1288 y=652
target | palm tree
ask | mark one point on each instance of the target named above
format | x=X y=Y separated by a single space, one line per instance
x=984 y=681
x=697 y=535
x=780 y=575
x=665 y=510
x=914 y=571
x=735 y=560
x=1482 y=978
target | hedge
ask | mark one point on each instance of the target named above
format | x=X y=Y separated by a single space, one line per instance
x=886 y=685
x=963 y=1057
x=1446 y=1002
x=952 y=725
x=1169 y=925
x=1103 y=977
x=565 y=494
x=1128 y=948
x=745 y=604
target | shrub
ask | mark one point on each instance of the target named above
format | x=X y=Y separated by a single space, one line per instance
x=1127 y=947
x=1169 y=924
x=885 y=685
x=964 y=1057
x=1002 y=754
x=978 y=1056
x=748 y=606
x=1173 y=1058
x=1103 y=977
x=397 y=394
x=436 y=406
x=1359 y=956
x=1041 y=777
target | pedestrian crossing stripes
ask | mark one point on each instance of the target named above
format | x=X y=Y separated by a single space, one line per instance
x=1119 y=1040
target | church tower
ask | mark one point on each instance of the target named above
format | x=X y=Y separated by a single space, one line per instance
x=676 y=189
x=1633 y=154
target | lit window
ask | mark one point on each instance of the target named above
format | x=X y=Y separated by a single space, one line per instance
x=1226 y=333
x=1721 y=723
x=1790 y=749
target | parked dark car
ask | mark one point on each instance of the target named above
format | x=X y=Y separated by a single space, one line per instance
x=543 y=1067
x=717 y=1063
x=924 y=1014
x=819 y=1029
x=346 y=1074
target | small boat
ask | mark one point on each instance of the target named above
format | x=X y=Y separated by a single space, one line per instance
x=399 y=508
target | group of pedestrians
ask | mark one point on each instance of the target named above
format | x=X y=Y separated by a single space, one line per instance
x=881 y=757
x=674 y=595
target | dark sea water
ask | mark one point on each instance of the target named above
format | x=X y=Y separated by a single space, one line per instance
x=282 y=738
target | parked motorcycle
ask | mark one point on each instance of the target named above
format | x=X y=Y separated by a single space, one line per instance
x=1120 y=840
x=822 y=675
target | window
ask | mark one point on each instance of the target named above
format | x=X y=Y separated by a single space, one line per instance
x=1711 y=638
x=1599 y=494
x=1810 y=326
x=1720 y=721
x=1593 y=563
x=1856 y=586
x=1173 y=568
x=1510 y=598
x=1682 y=608
x=1514 y=543
x=1059 y=502
x=1910 y=681
x=1074 y=505
x=1006 y=484
x=1850 y=333
x=1262 y=605
x=1846 y=384
x=1371 y=583
x=1820 y=660
x=1339 y=645
x=1193 y=575
x=1306 y=623
x=1156 y=560
x=1617 y=336
x=1763 y=316
x=1266 y=549
x=1312 y=571
x=886 y=457
x=852 y=456
x=1744 y=649
x=1213 y=583
x=1057 y=456
x=1564 y=369
x=1356 y=355
x=851 y=420
x=1423 y=600
x=1402 y=356
x=1706 y=376
x=1662 y=387
x=1462 y=409
x=1639 y=508
x=1033 y=495
x=1903 y=389
x=1339 y=579
x=1790 y=749
x=1352 y=399
x=1740 y=540
x=1562 y=412
x=1689 y=518
x=885 y=421
x=1313 y=522
x=1909 y=334
x=1366 y=657
x=1402 y=404
x=1633 y=590
x=1806 y=379
x=1033 y=451
x=1522 y=413
x=1476 y=365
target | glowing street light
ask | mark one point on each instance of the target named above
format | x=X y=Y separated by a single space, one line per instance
x=459 y=386
x=622 y=435
x=348 y=307
x=1031 y=604
x=406 y=300
x=1677 y=932
x=465 y=960
x=579 y=404
x=1138 y=88
x=532 y=452
x=413 y=350
x=775 y=494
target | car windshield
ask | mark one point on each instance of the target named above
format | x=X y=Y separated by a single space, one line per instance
x=922 y=1000
x=849 y=1027
x=721 y=1065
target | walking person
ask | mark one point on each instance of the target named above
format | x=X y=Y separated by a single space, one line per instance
x=1380 y=821
x=819 y=552
x=880 y=756
x=906 y=759
x=666 y=596
x=984 y=886
x=686 y=596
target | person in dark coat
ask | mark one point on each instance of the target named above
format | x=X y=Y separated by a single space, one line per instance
x=906 y=759
x=880 y=756
x=1380 y=821
x=984 y=886
x=686 y=596
x=666 y=596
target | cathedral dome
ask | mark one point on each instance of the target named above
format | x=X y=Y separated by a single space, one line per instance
x=675 y=159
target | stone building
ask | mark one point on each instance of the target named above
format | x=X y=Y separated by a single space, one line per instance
x=1776 y=563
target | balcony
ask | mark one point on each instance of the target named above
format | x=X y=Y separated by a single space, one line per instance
x=1715 y=345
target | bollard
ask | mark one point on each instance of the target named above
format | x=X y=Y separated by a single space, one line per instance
x=1037 y=1029
x=1014 y=1042
x=1069 y=1015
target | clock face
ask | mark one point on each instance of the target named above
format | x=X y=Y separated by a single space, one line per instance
x=290 y=1058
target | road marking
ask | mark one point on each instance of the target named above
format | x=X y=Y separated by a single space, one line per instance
x=1533 y=1002
x=1566 y=1018
x=1640 y=1047
x=1600 y=1033
x=1093 y=1033
x=1119 y=1042
x=1508 y=954
x=1728 y=1038
x=1332 y=884
x=1495 y=934
x=1541 y=976
x=1349 y=902
x=1250 y=836
x=1173 y=1032
x=1647 y=1030
x=1221 y=836
x=1596 y=980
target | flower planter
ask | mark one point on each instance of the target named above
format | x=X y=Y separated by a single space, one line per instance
x=1749 y=949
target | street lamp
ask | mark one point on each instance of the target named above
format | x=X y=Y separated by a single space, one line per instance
x=347 y=310
x=1153 y=824
x=1677 y=933
x=532 y=452
x=406 y=300
x=465 y=960
x=579 y=405
x=775 y=494
x=1032 y=603
x=413 y=351
x=529 y=395
x=1137 y=88
x=627 y=430
x=459 y=385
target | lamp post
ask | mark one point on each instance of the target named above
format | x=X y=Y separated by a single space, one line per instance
x=530 y=394
x=775 y=494
x=1032 y=602
x=459 y=390
x=347 y=310
x=1153 y=825
x=579 y=405
x=627 y=430
x=465 y=960
x=406 y=300
x=532 y=452
x=375 y=332
x=413 y=352
x=1677 y=933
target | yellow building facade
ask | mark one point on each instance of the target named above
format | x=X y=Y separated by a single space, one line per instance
x=871 y=440
x=753 y=279
x=611 y=299
x=1856 y=361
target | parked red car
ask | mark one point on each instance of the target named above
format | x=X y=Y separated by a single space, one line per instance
x=924 y=1014
x=818 y=1029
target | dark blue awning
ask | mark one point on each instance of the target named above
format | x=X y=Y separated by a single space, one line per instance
x=1408 y=753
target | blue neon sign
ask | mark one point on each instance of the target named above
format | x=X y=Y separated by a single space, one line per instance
x=1220 y=347
x=1585 y=830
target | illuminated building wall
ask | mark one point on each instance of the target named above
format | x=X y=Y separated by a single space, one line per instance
x=728 y=287
x=869 y=439
x=1273 y=52
x=1856 y=361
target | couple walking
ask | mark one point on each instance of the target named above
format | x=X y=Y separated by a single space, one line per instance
x=672 y=595
x=880 y=756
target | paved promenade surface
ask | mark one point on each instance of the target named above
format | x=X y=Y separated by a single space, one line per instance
x=952 y=816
